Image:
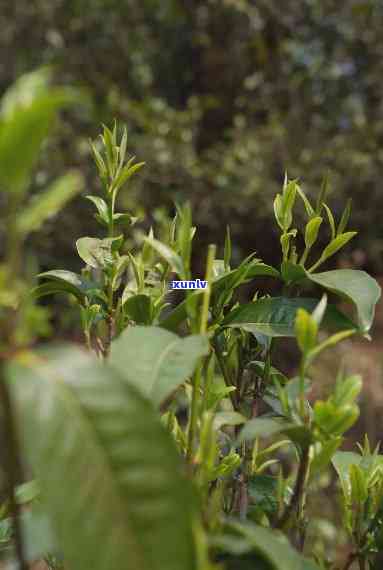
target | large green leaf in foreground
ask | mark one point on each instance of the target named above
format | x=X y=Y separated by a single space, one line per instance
x=275 y=316
x=108 y=471
x=156 y=360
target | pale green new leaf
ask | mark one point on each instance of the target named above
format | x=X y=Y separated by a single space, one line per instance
x=336 y=244
x=155 y=360
x=331 y=221
x=311 y=232
x=168 y=254
x=118 y=504
x=102 y=208
x=342 y=461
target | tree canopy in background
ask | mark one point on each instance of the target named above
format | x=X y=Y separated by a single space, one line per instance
x=220 y=98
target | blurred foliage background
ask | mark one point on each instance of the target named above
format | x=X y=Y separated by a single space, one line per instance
x=220 y=97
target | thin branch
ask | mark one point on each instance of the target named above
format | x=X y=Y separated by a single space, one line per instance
x=298 y=490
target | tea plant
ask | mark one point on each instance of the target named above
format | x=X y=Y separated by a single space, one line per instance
x=180 y=445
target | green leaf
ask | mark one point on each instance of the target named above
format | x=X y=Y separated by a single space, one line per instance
x=358 y=481
x=320 y=310
x=126 y=173
x=347 y=390
x=228 y=419
x=336 y=244
x=139 y=309
x=332 y=420
x=48 y=203
x=291 y=272
x=118 y=505
x=155 y=360
x=262 y=427
x=345 y=218
x=27 y=116
x=271 y=545
x=331 y=221
x=266 y=427
x=355 y=286
x=308 y=207
x=263 y=492
x=27 y=492
x=96 y=253
x=312 y=230
x=306 y=331
x=276 y=316
x=323 y=456
x=107 y=139
x=288 y=199
x=62 y=281
x=278 y=210
x=124 y=219
x=102 y=170
x=342 y=461
x=169 y=255
x=102 y=208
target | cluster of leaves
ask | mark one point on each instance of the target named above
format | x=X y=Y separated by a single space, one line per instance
x=179 y=444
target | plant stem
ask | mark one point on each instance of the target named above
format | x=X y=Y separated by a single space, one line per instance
x=305 y=254
x=198 y=372
x=194 y=413
x=316 y=265
x=302 y=372
x=225 y=373
x=298 y=490
x=207 y=292
x=243 y=497
x=12 y=468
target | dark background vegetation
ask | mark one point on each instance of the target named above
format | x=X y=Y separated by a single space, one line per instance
x=220 y=97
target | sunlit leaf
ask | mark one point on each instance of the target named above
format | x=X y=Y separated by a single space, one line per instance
x=155 y=360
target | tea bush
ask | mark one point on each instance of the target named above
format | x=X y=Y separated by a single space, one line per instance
x=171 y=440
